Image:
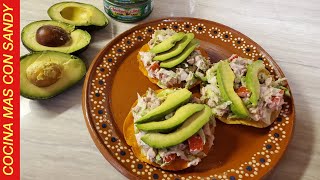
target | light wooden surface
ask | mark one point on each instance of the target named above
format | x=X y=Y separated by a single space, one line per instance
x=56 y=145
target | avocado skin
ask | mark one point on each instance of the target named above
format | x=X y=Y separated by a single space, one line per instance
x=23 y=94
x=88 y=28
x=167 y=43
x=190 y=127
x=225 y=79
x=182 y=114
x=91 y=28
x=69 y=28
x=170 y=63
x=176 y=50
x=252 y=81
x=172 y=102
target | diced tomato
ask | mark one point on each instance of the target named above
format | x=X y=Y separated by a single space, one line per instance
x=233 y=57
x=243 y=91
x=154 y=66
x=275 y=99
x=284 y=83
x=281 y=92
x=195 y=144
x=169 y=158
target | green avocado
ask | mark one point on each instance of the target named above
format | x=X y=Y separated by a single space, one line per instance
x=77 y=40
x=170 y=63
x=225 y=79
x=164 y=93
x=177 y=49
x=171 y=103
x=167 y=43
x=78 y=14
x=191 y=126
x=252 y=81
x=182 y=114
x=48 y=73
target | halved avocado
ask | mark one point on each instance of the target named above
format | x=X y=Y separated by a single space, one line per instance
x=78 y=39
x=49 y=73
x=79 y=14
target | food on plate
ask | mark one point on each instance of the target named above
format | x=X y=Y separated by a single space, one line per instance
x=173 y=59
x=54 y=36
x=167 y=44
x=176 y=50
x=170 y=104
x=174 y=140
x=78 y=14
x=167 y=125
x=172 y=62
x=242 y=91
x=49 y=73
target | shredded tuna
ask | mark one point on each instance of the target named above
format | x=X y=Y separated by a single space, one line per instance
x=270 y=98
x=151 y=154
x=194 y=162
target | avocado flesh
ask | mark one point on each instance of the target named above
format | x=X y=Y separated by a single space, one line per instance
x=225 y=79
x=252 y=81
x=79 y=39
x=170 y=63
x=176 y=50
x=73 y=71
x=182 y=114
x=172 y=102
x=167 y=44
x=190 y=127
x=78 y=14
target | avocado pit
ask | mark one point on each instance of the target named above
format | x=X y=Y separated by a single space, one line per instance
x=44 y=74
x=52 y=36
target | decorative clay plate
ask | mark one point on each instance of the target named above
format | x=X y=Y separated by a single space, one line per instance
x=112 y=84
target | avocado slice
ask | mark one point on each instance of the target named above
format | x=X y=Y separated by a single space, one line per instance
x=177 y=49
x=252 y=81
x=172 y=102
x=79 y=39
x=78 y=14
x=225 y=79
x=49 y=73
x=182 y=114
x=170 y=63
x=191 y=126
x=167 y=43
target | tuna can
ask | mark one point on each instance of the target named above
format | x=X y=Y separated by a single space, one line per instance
x=127 y=1
x=128 y=10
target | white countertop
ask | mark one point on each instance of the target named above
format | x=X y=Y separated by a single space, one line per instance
x=55 y=143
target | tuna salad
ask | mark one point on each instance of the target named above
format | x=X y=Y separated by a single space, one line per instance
x=190 y=150
x=185 y=74
x=269 y=100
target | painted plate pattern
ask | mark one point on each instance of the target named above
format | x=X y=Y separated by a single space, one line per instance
x=107 y=134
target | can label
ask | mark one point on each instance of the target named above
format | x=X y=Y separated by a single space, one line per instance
x=128 y=13
x=117 y=11
x=127 y=1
